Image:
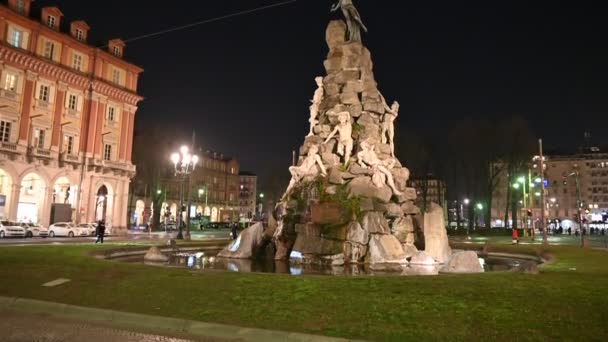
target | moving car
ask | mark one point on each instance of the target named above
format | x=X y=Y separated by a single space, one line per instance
x=64 y=229
x=11 y=229
x=34 y=230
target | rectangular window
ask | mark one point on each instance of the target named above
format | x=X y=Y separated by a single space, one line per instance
x=79 y=34
x=16 y=38
x=73 y=102
x=116 y=76
x=111 y=113
x=39 y=134
x=10 y=82
x=20 y=7
x=68 y=144
x=44 y=93
x=107 y=152
x=50 y=21
x=49 y=49
x=5 y=131
x=77 y=62
x=116 y=51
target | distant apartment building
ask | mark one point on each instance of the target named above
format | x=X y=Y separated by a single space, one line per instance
x=560 y=185
x=248 y=191
x=429 y=190
x=213 y=192
x=67 y=111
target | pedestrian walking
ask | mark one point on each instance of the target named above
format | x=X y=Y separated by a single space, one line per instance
x=234 y=231
x=100 y=231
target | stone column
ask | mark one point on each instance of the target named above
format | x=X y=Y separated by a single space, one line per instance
x=14 y=200
x=44 y=212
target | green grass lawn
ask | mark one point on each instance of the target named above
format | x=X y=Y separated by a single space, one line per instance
x=568 y=300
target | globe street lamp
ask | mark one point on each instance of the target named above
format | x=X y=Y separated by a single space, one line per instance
x=184 y=164
x=261 y=206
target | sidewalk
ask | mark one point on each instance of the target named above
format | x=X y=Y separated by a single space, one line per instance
x=138 y=322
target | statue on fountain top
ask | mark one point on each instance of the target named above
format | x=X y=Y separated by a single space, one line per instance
x=353 y=19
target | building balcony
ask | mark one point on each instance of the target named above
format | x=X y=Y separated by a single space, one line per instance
x=8 y=147
x=69 y=158
x=39 y=152
x=114 y=165
x=43 y=105
x=72 y=113
x=9 y=95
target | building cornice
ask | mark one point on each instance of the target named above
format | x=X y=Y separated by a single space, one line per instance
x=41 y=67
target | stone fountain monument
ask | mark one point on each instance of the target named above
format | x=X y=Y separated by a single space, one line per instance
x=348 y=200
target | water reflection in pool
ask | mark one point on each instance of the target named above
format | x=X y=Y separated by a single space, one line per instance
x=207 y=261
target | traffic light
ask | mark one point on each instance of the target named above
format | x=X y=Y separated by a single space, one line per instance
x=529 y=212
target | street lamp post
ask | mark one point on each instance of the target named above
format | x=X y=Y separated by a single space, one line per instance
x=578 y=205
x=465 y=202
x=261 y=206
x=184 y=164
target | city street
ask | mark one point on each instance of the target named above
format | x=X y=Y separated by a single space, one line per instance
x=131 y=237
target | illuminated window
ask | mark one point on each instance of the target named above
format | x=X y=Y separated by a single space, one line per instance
x=43 y=95
x=110 y=115
x=116 y=76
x=68 y=144
x=77 y=62
x=10 y=82
x=73 y=102
x=50 y=21
x=5 y=131
x=39 y=135
x=107 y=152
x=16 y=38
x=49 y=50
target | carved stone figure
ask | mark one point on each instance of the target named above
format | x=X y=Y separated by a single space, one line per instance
x=345 y=141
x=307 y=168
x=368 y=158
x=316 y=102
x=388 y=123
x=353 y=19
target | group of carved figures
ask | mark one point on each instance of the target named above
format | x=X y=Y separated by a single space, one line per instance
x=312 y=164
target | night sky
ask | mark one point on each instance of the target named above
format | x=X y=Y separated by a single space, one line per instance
x=244 y=83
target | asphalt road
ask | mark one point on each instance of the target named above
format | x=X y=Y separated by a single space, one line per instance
x=133 y=236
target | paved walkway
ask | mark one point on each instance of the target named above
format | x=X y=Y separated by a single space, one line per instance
x=34 y=320
x=22 y=327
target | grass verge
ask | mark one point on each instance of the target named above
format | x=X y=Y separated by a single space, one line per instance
x=568 y=300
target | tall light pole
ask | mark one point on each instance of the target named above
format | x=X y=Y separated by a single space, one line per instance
x=261 y=206
x=184 y=164
x=543 y=222
x=578 y=205
x=465 y=202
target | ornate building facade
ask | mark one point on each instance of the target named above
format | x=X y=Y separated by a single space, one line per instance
x=67 y=111
x=248 y=191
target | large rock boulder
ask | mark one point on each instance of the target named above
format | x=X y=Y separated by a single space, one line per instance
x=385 y=249
x=364 y=187
x=154 y=255
x=402 y=227
x=435 y=234
x=374 y=223
x=463 y=262
x=421 y=258
x=355 y=233
x=246 y=244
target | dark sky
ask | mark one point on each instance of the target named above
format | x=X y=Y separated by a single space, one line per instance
x=244 y=83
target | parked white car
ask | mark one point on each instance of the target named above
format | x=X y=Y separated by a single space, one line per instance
x=64 y=229
x=11 y=229
x=34 y=230
x=87 y=228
